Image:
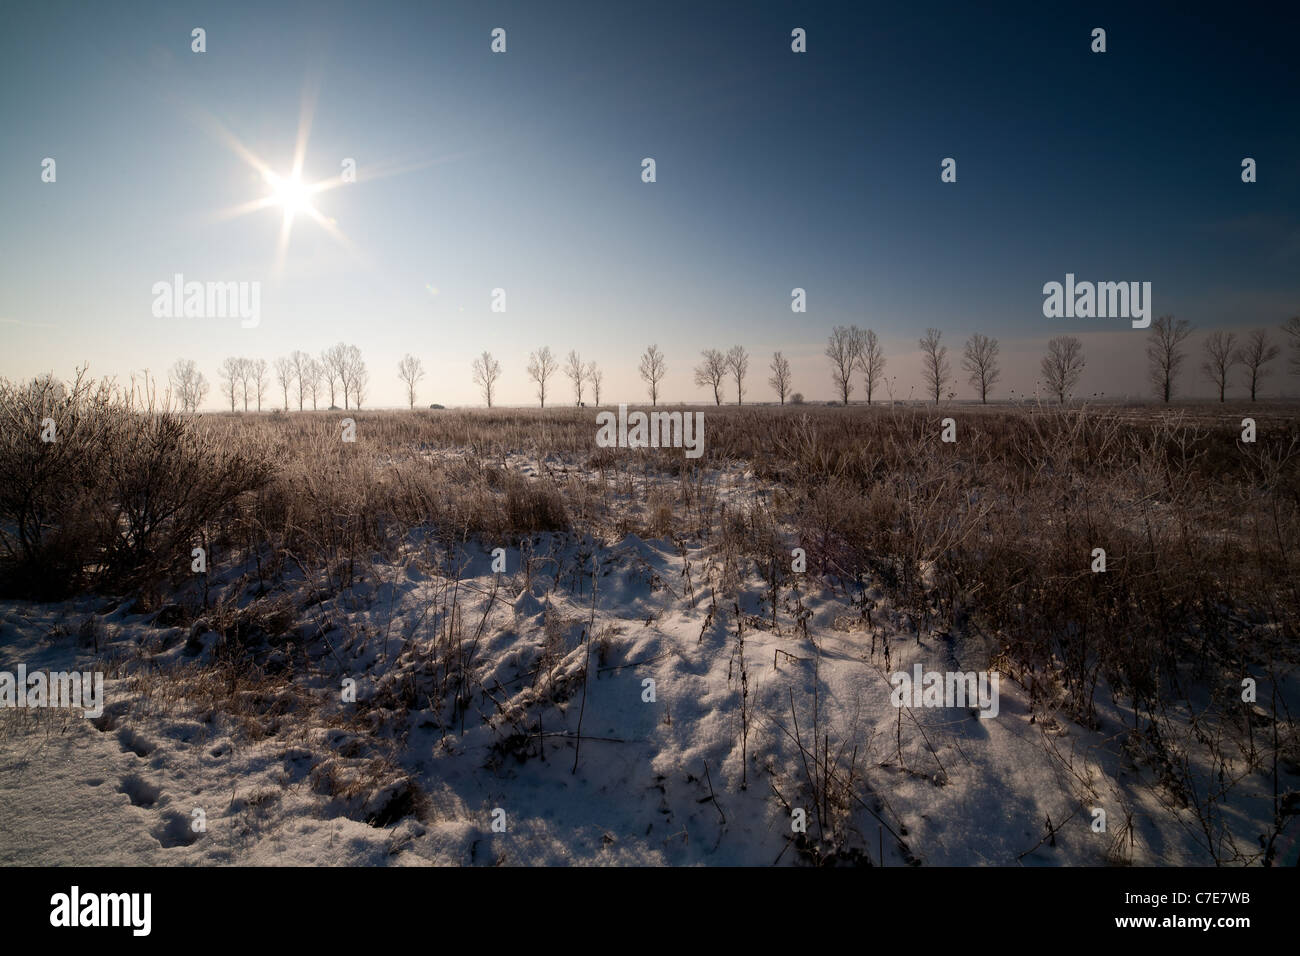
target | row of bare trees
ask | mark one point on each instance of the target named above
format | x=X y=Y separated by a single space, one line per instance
x=243 y=378
x=851 y=350
x=714 y=371
x=542 y=365
x=717 y=366
x=339 y=370
x=1222 y=355
x=1060 y=368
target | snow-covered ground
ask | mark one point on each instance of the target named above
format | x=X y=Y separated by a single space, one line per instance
x=757 y=712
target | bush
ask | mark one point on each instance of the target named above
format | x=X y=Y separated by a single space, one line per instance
x=97 y=491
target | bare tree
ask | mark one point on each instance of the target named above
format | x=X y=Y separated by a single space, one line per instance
x=541 y=366
x=344 y=371
x=178 y=377
x=1062 y=366
x=1165 y=355
x=577 y=374
x=360 y=382
x=410 y=370
x=338 y=361
x=711 y=372
x=780 y=380
x=357 y=376
x=329 y=373
x=486 y=372
x=981 y=361
x=347 y=361
x=232 y=375
x=246 y=371
x=1254 y=355
x=1292 y=329
x=653 y=369
x=872 y=360
x=260 y=379
x=738 y=366
x=194 y=385
x=301 y=369
x=934 y=363
x=188 y=383
x=285 y=374
x=344 y=365
x=1220 y=357
x=594 y=376
x=312 y=374
x=843 y=348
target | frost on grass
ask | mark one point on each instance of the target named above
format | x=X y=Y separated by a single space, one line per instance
x=649 y=681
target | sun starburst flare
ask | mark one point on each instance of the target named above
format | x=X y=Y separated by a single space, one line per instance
x=290 y=192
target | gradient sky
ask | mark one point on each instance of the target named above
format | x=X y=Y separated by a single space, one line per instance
x=522 y=171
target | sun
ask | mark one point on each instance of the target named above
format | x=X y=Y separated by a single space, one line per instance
x=295 y=199
x=290 y=193
x=294 y=195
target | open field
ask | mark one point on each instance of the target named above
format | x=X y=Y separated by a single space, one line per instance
x=768 y=591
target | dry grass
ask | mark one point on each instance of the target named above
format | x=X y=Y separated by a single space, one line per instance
x=991 y=535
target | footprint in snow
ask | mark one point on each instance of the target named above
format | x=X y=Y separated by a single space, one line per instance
x=175 y=830
x=133 y=742
x=139 y=791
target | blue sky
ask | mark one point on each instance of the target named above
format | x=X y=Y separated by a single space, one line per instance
x=522 y=171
